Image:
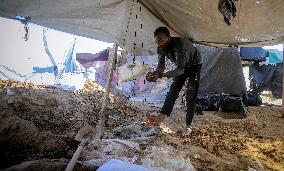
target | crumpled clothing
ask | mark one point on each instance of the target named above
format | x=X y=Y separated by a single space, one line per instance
x=228 y=9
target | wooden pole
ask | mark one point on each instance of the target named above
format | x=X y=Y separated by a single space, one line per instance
x=283 y=86
x=102 y=117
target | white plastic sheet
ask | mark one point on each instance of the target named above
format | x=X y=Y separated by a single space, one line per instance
x=118 y=165
x=131 y=23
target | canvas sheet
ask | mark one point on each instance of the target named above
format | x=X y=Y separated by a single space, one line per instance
x=131 y=23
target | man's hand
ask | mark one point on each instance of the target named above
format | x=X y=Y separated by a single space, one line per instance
x=153 y=76
x=150 y=76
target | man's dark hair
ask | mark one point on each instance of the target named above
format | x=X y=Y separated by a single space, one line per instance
x=163 y=30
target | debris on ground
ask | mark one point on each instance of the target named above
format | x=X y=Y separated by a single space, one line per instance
x=49 y=164
x=167 y=158
x=38 y=125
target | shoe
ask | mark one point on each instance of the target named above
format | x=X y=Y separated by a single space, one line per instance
x=188 y=131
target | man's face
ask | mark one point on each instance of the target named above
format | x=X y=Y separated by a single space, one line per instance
x=162 y=40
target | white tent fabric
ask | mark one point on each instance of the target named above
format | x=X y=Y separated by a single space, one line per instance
x=131 y=23
x=201 y=21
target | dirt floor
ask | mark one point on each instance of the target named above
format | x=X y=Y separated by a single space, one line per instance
x=38 y=125
x=223 y=142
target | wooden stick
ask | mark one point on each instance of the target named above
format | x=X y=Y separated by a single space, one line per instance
x=76 y=155
x=102 y=117
x=283 y=86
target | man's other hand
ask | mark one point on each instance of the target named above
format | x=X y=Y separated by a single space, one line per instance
x=150 y=77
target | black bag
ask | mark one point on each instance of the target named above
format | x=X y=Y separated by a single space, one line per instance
x=232 y=103
x=198 y=109
x=253 y=99
x=209 y=102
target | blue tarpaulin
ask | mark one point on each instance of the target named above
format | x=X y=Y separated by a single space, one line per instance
x=70 y=65
x=275 y=56
x=40 y=70
x=253 y=53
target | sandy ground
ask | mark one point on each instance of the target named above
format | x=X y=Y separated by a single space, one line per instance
x=38 y=125
x=221 y=142
x=39 y=122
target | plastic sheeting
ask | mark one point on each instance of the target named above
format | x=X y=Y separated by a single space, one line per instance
x=201 y=21
x=102 y=76
x=69 y=63
x=131 y=23
x=46 y=49
x=221 y=71
x=275 y=56
x=70 y=76
x=117 y=165
x=253 y=53
x=87 y=59
x=40 y=70
x=266 y=77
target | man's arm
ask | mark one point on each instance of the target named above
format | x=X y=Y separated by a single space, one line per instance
x=153 y=76
x=161 y=63
x=180 y=63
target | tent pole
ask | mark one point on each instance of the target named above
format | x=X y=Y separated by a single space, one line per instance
x=102 y=117
x=283 y=86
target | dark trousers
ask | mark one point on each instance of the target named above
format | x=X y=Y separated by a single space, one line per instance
x=192 y=74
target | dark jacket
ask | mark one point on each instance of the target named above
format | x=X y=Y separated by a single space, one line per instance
x=180 y=51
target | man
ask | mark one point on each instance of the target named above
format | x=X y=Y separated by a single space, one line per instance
x=188 y=64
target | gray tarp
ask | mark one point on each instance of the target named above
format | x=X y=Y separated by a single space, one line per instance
x=221 y=71
x=131 y=23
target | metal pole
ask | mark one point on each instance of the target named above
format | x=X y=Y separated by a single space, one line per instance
x=102 y=117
